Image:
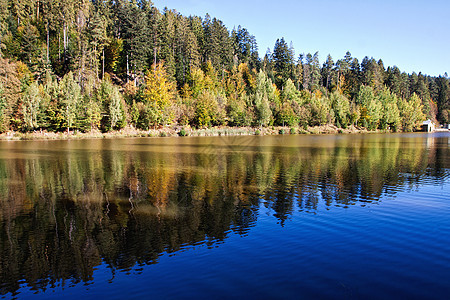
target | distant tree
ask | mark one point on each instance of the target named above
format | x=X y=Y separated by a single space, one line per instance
x=283 y=62
x=373 y=73
x=217 y=44
x=31 y=105
x=311 y=76
x=390 y=118
x=206 y=110
x=262 y=99
x=69 y=99
x=411 y=112
x=116 y=110
x=328 y=72
x=321 y=111
x=158 y=95
x=371 y=108
x=341 y=108
x=443 y=98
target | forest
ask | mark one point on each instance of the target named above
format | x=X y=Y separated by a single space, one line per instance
x=105 y=65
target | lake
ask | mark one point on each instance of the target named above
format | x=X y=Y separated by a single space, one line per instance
x=257 y=217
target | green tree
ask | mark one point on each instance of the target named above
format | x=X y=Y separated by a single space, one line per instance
x=328 y=73
x=341 y=108
x=320 y=108
x=371 y=109
x=159 y=94
x=116 y=110
x=390 y=113
x=206 y=110
x=30 y=107
x=283 y=62
x=411 y=112
x=262 y=99
x=443 y=98
x=69 y=99
x=217 y=46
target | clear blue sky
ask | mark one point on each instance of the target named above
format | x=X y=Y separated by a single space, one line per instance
x=413 y=34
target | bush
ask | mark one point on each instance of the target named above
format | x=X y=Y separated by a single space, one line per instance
x=293 y=131
x=183 y=132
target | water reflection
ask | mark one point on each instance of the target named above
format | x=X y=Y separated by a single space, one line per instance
x=68 y=206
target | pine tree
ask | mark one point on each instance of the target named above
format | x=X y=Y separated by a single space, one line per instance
x=283 y=62
x=30 y=45
x=443 y=99
x=328 y=72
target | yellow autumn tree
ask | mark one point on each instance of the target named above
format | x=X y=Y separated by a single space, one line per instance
x=159 y=96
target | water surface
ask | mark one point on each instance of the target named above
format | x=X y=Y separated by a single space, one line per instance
x=338 y=216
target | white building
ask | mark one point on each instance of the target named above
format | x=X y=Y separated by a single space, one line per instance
x=428 y=126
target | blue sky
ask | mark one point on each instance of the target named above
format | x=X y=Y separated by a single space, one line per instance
x=413 y=35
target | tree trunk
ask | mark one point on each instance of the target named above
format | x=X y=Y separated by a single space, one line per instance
x=103 y=66
x=128 y=70
x=64 y=36
x=96 y=62
x=59 y=45
x=48 y=42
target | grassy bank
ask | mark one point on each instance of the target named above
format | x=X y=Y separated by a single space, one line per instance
x=178 y=131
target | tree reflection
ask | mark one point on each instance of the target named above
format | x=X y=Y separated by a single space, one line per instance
x=63 y=215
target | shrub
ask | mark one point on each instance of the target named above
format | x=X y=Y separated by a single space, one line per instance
x=183 y=132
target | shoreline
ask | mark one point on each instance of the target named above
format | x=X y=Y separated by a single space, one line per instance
x=182 y=132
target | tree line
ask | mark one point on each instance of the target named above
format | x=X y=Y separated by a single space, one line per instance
x=87 y=65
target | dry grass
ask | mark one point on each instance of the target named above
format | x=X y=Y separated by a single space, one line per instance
x=175 y=131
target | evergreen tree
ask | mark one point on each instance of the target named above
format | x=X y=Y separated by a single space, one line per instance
x=134 y=31
x=283 y=62
x=443 y=99
x=328 y=72
x=217 y=44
